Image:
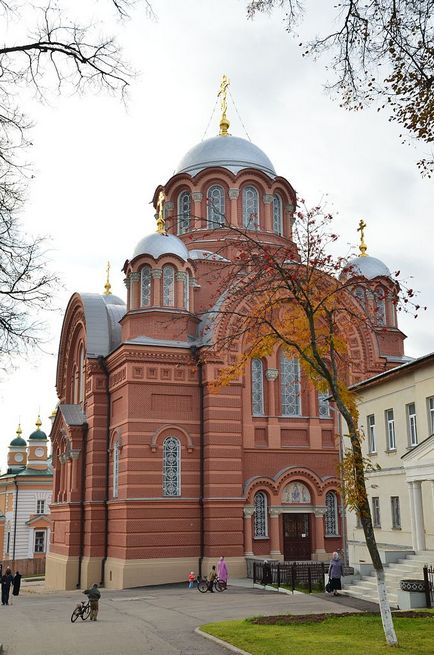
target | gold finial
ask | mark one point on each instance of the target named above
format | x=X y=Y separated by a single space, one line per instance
x=107 y=285
x=19 y=430
x=362 y=247
x=38 y=422
x=53 y=413
x=161 y=222
x=222 y=94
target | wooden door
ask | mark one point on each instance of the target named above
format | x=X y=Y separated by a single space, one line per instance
x=296 y=537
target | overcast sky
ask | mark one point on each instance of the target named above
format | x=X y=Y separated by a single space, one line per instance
x=98 y=162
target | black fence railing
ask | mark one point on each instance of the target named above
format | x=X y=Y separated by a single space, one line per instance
x=428 y=578
x=305 y=576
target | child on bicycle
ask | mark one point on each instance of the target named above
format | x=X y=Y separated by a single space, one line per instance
x=94 y=595
x=211 y=578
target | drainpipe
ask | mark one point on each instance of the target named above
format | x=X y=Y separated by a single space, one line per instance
x=199 y=364
x=103 y=365
x=15 y=517
x=82 y=499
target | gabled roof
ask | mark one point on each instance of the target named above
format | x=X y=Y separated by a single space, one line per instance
x=394 y=372
x=38 y=517
x=73 y=414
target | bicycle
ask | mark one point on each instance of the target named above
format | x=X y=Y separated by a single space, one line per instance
x=82 y=610
x=203 y=585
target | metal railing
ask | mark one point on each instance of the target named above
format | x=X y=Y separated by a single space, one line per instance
x=305 y=576
x=428 y=578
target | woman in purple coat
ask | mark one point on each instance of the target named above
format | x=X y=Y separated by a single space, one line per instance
x=222 y=571
x=336 y=571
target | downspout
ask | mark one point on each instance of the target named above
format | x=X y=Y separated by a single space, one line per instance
x=15 y=517
x=103 y=365
x=82 y=499
x=199 y=364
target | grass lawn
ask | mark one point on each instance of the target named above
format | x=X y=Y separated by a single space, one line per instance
x=338 y=635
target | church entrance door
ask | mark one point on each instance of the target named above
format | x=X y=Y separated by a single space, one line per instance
x=296 y=537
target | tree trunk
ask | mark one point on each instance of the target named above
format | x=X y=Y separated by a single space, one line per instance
x=386 y=614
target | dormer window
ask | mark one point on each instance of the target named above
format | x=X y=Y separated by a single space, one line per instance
x=216 y=206
x=184 y=211
x=250 y=208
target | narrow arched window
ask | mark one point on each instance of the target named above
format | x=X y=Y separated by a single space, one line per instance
x=81 y=370
x=277 y=214
x=250 y=208
x=290 y=385
x=116 y=469
x=171 y=467
x=359 y=293
x=184 y=211
x=168 y=286
x=145 y=280
x=323 y=404
x=187 y=291
x=261 y=519
x=331 y=516
x=257 y=387
x=216 y=206
x=380 y=307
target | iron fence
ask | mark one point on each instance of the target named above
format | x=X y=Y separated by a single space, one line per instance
x=306 y=576
x=428 y=578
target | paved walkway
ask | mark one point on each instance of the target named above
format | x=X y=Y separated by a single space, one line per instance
x=144 y=621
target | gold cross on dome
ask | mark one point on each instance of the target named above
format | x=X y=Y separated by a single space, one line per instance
x=362 y=247
x=161 y=223
x=222 y=94
x=107 y=285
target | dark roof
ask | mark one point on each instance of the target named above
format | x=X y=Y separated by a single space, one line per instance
x=73 y=414
x=394 y=372
x=14 y=472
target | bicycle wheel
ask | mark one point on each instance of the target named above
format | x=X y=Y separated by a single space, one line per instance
x=220 y=585
x=85 y=612
x=202 y=586
x=76 y=613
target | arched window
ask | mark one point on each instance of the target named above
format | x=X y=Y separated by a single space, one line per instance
x=145 y=279
x=323 y=404
x=359 y=293
x=187 y=291
x=171 y=467
x=81 y=369
x=331 y=517
x=290 y=385
x=216 y=206
x=116 y=469
x=261 y=519
x=380 y=307
x=250 y=208
x=277 y=214
x=257 y=387
x=168 y=286
x=184 y=211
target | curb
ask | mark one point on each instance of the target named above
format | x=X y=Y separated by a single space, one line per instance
x=225 y=644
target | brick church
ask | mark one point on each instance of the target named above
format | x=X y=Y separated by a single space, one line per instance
x=155 y=474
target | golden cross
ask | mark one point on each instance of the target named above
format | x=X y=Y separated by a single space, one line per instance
x=222 y=94
x=161 y=223
x=363 y=247
x=107 y=285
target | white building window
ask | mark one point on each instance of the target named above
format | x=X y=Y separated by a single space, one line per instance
x=250 y=208
x=257 y=387
x=412 y=428
x=323 y=405
x=277 y=215
x=372 y=441
x=39 y=541
x=168 y=286
x=261 y=519
x=145 y=280
x=390 y=430
x=216 y=206
x=187 y=291
x=396 y=512
x=116 y=469
x=171 y=467
x=40 y=507
x=184 y=211
x=430 y=402
x=376 y=518
x=331 y=517
x=290 y=385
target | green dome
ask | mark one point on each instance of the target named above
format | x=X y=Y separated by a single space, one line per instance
x=39 y=435
x=18 y=441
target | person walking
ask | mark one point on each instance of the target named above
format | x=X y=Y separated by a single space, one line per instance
x=267 y=576
x=94 y=595
x=222 y=571
x=16 y=583
x=211 y=577
x=336 y=571
x=6 y=586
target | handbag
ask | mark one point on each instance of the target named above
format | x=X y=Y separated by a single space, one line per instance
x=329 y=587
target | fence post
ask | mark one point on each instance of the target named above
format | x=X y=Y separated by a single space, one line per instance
x=309 y=578
x=293 y=577
x=322 y=577
x=427 y=586
x=278 y=575
x=254 y=572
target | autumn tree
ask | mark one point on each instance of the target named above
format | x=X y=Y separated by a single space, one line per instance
x=42 y=50
x=381 y=51
x=300 y=298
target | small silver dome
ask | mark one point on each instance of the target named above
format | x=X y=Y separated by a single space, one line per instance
x=368 y=267
x=230 y=152
x=161 y=244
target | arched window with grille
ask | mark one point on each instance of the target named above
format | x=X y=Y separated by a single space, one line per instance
x=261 y=518
x=145 y=285
x=323 y=404
x=187 y=291
x=184 y=211
x=359 y=293
x=81 y=376
x=257 y=368
x=116 y=469
x=168 y=286
x=331 y=516
x=380 y=306
x=290 y=385
x=216 y=206
x=277 y=215
x=250 y=208
x=171 y=467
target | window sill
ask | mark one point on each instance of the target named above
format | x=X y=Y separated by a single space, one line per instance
x=390 y=451
x=396 y=527
x=373 y=452
x=261 y=538
x=332 y=536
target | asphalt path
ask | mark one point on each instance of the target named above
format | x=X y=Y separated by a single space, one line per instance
x=142 y=621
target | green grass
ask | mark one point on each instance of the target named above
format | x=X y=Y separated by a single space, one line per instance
x=352 y=635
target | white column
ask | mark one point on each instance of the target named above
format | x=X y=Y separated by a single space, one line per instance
x=248 y=538
x=412 y=515
x=419 y=524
